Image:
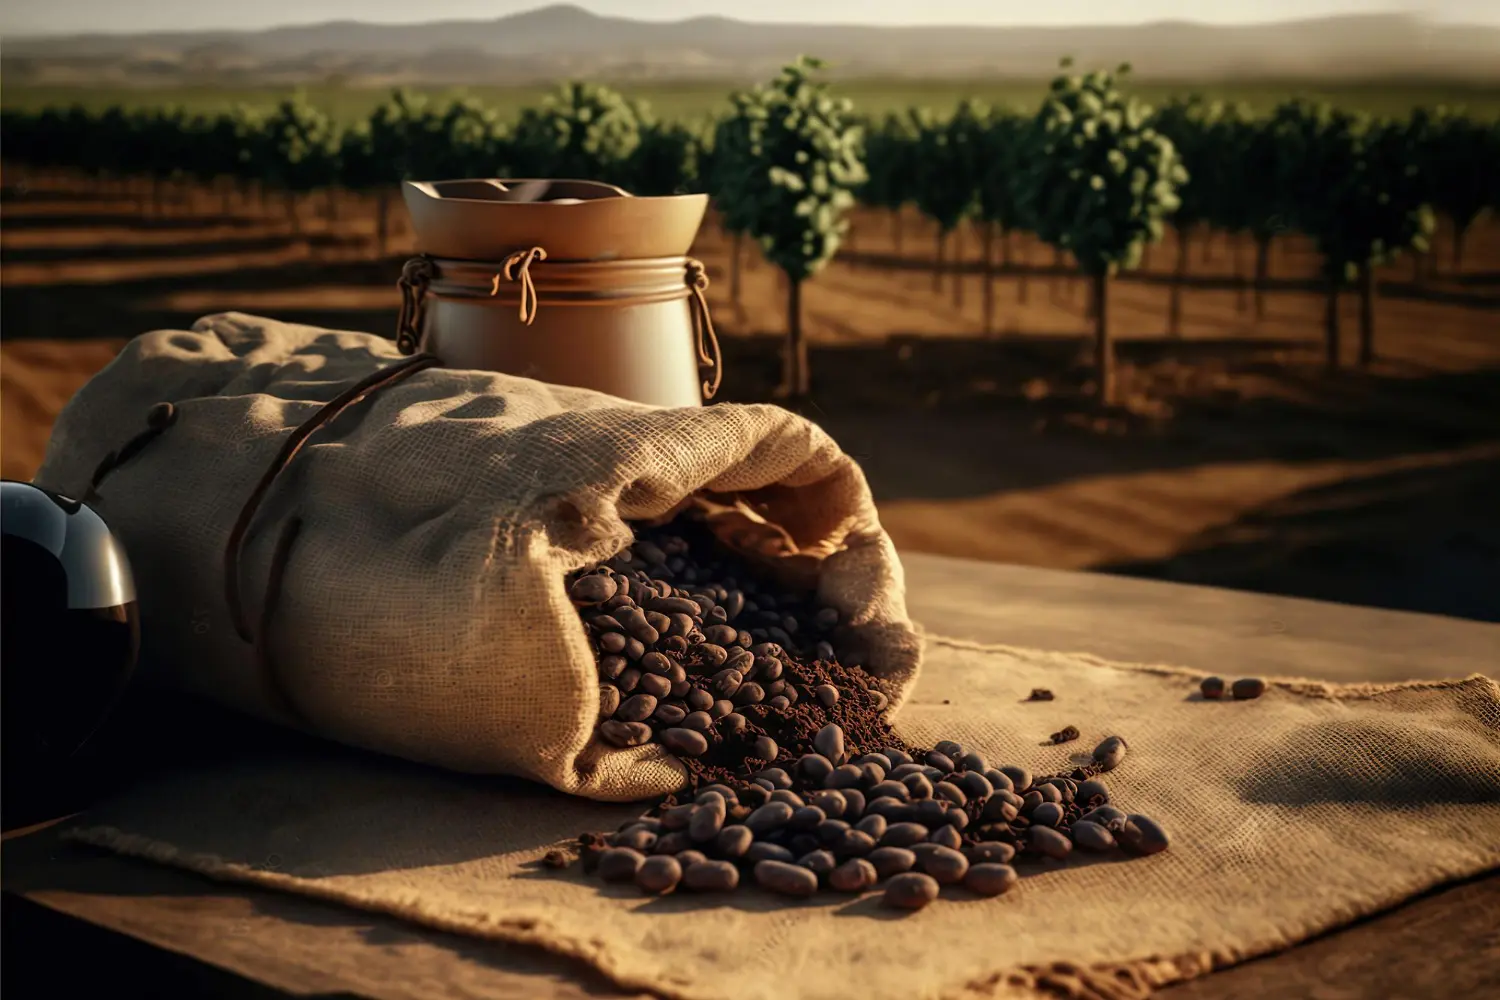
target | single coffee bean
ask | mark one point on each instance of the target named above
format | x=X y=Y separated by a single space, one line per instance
x=771 y=816
x=831 y=802
x=854 y=803
x=722 y=791
x=1067 y=788
x=699 y=700
x=619 y=864
x=889 y=790
x=949 y=748
x=612 y=643
x=720 y=635
x=684 y=742
x=678 y=817
x=900 y=771
x=1091 y=793
x=972 y=761
x=778 y=778
x=1108 y=817
x=932 y=774
x=720 y=709
x=1049 y=793
x=827 y=694
x=855 y=875
x=592 y=589
x=607 y=623
x=1048 y=842
x=1142 y=835
x=874 y=825
x=712 y=655
x=707 y=820
x=1047 y=814
x=950 y=792
x=831 y=831
x=655 y=685
x=1020 y=778
x=909 y=891
x=870 y=775
x=733 y=841
x=976 y=786
x=904 y=835
x=917 y=786
x=689 y=858
x=675 y=645
x=767 y=669
x=896 y=756
x=786 y=795
x=656 y=663
x=947 y=836
x=625 y=734
x=711 y=876
x=637 y=838
x=998 y=810
x=732 y=724
x=854 y=843
x=1212 y=687
x=681 y=627
x=658 y=874
x=939 y=761
x=989 y=852
x=807 y=818
x=830 y=743
x=1247 y=688
x=741 y=660
x=634 y=649
x=672 y=843
x=785 y=879
x=814 y=767
x=1091 y=836
x=844 y=776
x=765 y=748
x=749 y=693
x=637 y=625
x=701 y=721
x=669 y=714
x=999 y=780
x=610 y=667
x=924 y=850
x=764 y=850
x=1067 y=734
x=658 y=621
x=818 y=862
x=609 y=700
x=880 y=759
x=780 y=703
x=890 y=861
x=628 y=680
x=990 y=879
x=1109 y=753
x=894 y=810
x=931 y=813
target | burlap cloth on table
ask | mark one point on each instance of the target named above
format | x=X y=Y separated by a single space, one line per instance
x=1290 y=815
x=401 y=586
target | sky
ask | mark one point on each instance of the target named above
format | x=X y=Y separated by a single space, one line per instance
x=32 y=17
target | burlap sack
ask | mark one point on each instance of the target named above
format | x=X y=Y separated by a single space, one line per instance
x=420 y=609
x=1289 y=815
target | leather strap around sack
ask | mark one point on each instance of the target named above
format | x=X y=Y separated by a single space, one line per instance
x=420 y=272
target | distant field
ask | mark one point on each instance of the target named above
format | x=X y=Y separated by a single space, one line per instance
x=698 y=98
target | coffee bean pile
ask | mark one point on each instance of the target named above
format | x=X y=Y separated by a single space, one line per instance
x=1243 y=689
x=797 y=781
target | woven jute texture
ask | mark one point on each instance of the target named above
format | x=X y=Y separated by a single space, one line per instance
x=422 y=610
x=1289 y=815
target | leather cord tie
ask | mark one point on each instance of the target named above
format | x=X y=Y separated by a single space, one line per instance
x=517 y=267
x=705 y=340
x=265 y=665
x=416 y=275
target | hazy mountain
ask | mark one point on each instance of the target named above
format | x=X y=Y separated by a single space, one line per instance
x=558 y=40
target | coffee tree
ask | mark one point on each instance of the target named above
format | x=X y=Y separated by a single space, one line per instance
x=1246 y=171
x=1001 y=158
x=1457 y=159
x=890 y=156
x=946 y=175
x=301 y=147
x=582 y=131
x=793 y=172
x=1190 y=124
x=1100 y=183
x=728 y=151
x=665 y=161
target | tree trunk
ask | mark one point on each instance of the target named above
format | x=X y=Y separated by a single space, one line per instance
x=956 y=268
x=737 y=243
x=1367 y=292
x=1331 y=326
x=1104 y=348
x=1023 y=290
x=896 y=229
x=1459 y=232
x=1262 y=272
x=937 y=261
x=383 y=220
x=1241 y=298
x=987 y=288
x=796 y=379
x=1174 y=299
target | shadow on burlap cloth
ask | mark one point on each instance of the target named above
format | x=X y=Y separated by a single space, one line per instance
x=1290 y=815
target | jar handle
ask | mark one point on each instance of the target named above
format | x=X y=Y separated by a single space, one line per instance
x=706 y=342
x=416 y=274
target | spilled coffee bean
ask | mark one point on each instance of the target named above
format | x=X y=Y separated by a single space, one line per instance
x=1067 y=734
x=1212 y=687
x=1247 y=688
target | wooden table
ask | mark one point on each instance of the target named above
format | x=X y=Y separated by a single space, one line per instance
x=76 y=920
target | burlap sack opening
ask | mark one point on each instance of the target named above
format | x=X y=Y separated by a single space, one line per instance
x=419 y=611
x=1290 y=815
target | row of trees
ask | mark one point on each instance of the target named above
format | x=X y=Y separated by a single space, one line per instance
x=1092 y=172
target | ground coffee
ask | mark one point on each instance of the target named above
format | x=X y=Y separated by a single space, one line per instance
x=794 y=772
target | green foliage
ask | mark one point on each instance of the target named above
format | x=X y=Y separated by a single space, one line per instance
x=583 y=131
x=412 y=138
x=890 y=157
x=1101 y=180
x=666 y=160
x=1002 y=158
x=948 y=165
x=300 y=147
x=790 y=166
x=1458 y=161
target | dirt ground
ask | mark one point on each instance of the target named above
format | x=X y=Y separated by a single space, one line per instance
x=1234 y=459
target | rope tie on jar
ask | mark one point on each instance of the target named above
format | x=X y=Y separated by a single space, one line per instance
x=517 y=267
x=705 y=341
x=416 y=275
